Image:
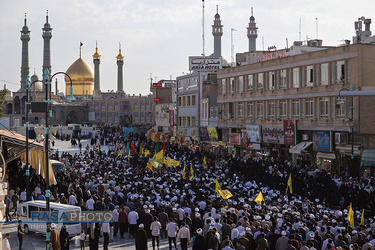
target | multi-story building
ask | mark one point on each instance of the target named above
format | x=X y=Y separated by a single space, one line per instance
x=292 y=104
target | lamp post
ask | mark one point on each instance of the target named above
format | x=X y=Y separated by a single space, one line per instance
x=349 y=120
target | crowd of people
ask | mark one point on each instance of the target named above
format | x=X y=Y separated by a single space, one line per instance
x=160 y=204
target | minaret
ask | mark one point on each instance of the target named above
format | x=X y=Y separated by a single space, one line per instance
x=25 y=70
x=96 y=60
x=252 y=32
x=120 y=63
x=47 y=35
x=217 y=32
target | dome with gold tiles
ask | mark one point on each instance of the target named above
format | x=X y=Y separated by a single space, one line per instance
x=82 y=76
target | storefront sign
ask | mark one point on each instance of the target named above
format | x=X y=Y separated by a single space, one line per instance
x=171 y=119
x=205 y=63
x=244 y=138
x=253 y=133
x=322 y=141
x=289 y=132
x=235 y=138
x=273 y=135
x=212 y=133
x=271 y=56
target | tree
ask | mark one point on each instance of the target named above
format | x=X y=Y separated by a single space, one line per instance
x=3 y=102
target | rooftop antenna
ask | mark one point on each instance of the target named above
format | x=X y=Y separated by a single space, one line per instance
x=232 y=45
x=25 y=19
x=150 y=79
x=80 y=50
x=317 y=24
x=263 y=42
x=299 y=29
x=203 y=26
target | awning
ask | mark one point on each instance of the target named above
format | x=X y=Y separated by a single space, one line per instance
x=326 y=155
x=299 y=147
x=368 y=157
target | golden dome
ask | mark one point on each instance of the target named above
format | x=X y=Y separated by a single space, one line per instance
x=80 y=72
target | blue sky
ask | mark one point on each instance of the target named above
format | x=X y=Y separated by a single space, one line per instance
x=158 y=36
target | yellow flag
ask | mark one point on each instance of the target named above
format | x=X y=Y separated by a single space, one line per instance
x=183 y=172
x=159 y=157
x=168 y=161
x=225 y=194
x=147 y=153
x=290 y=184
x=363 y=217
x=149 y=165
x=259 y=199
x=191 y=175
x=204 y=161
x=174 y=163
x=217 y=187
x=351 y=217
x=142 y=152
x=165 y=161
x=120 y=154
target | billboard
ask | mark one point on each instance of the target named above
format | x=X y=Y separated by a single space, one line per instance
x=205 y=63
x=235 y=138
x=253 y=133
x=322 y=141
x=212 y=133
x=273 y=135
x=289 y=132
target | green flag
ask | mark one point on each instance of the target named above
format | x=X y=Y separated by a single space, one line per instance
x=157 y=148
x=128 y=149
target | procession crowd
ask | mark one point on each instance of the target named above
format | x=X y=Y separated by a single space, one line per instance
x=153 y=204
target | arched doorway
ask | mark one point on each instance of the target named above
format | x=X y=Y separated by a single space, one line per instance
x=72 y=118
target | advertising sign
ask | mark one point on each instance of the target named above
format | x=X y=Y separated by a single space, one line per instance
x=212 y=133
x=205 y=63
x=203 y=134
x=171 y=119
x=253 y=133
x=322 y=141
x=273 y=135
x=235 y=138
x=187 y=132
x=289 y=132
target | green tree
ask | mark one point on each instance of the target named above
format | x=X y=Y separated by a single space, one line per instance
x=3 y=102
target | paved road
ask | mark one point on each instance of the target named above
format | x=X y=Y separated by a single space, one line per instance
x=35 y=241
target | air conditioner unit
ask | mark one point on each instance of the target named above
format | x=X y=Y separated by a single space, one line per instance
x=341 y=138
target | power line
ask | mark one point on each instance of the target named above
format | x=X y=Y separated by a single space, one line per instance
x=1 y=80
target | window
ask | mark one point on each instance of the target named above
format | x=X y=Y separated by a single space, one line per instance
x=193 y=121
x=97 y=107
x=223 y=86
x=193 y=100
x=250 y=110
x=260 y=110
x=231 y=86
x=240 y=84
x=282 y=109
x=135 y=106
x=179 y=101
x=340 y=72
x=184 y=101
x=271 y=109
x=142 y=106
x=188 y=122
x=231 y=111
x=116 y=107
x=250 y=83
x=295 y=109
x=324 y=107
x=309 y=108
x=283 y=79
x=271 y=80
x=136 y=118
x=147 y=106
x=222 y=111
x=340 y=108
x=240 y=110
x=103 y=107
x=260 y=82
x=324 y=74
x=179 y=121
x=109 y=107
x=188 y=100
x=296 y=78
x=309 y=76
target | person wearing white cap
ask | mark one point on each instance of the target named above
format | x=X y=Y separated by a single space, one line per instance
x=282 y=242
x=55 y=240
x=141 y=238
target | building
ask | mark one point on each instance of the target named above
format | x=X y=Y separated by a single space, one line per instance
x=288 y=104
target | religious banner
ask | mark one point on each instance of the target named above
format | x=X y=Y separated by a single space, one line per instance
x=203 y=134
x=171 y=119
x=235 y=138
x=253 y=133
x=273 y=135
x=322 y=141
x=212 y=133
x=289 y=132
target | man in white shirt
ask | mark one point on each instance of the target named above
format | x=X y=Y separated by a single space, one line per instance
x=37 y=191
x=23 y=195
x=72 y=200
x=90 y=204
x=115 y=214
x=155 y=232
x=132 y=219
x=184 y=236
x=6 y=244
x=172 y=233
x=106 y=230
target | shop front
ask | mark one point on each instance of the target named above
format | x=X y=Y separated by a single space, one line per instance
x=322 y=145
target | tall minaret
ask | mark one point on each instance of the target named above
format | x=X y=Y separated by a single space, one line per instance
x=25 y=70
x=47 y=35
x=120 y=63
x=96 y=60
x=217 y=32
x=252 y=32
